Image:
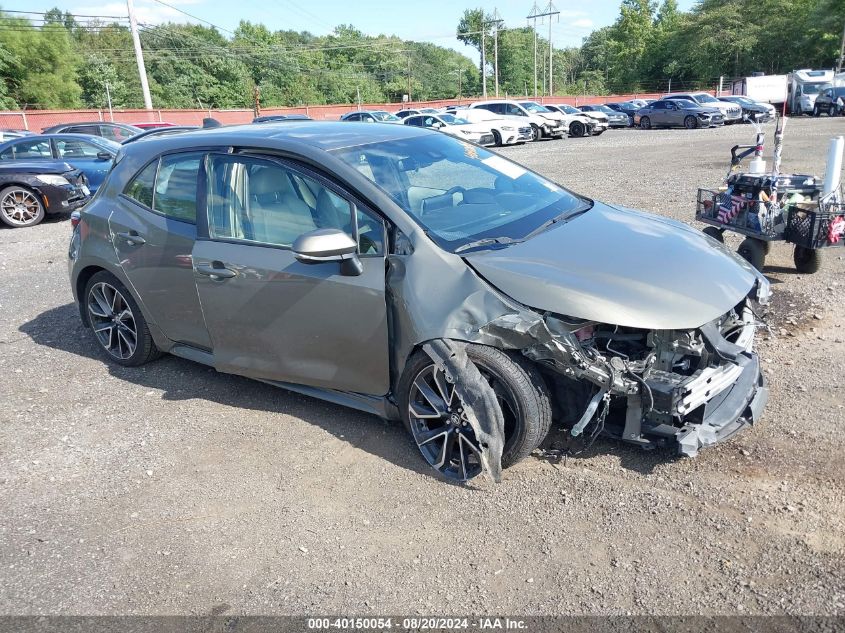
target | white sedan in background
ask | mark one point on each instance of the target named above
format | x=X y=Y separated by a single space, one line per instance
x=454 y=126
x=584 y=122
x=506 y=130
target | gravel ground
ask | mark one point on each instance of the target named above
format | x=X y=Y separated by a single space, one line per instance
x=173 y=489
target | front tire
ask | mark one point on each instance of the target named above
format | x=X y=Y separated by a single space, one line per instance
x=433 y=413
x=576 y=128
x=816 y=111
x=753 y=251
x=116 y=321
x=20 y=207
x=807 y=260
x=715 y=233
x=497 y=138
x=536 y=133
x=690 y=122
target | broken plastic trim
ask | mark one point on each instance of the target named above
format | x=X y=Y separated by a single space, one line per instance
x=478 y=399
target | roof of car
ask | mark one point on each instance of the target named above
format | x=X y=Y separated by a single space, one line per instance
x=115 y=123
x=324 y=135
x=58 y=136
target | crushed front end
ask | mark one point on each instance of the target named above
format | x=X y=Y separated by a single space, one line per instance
x=678 y=388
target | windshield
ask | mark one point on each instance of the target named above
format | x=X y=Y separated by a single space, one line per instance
x=385 y=116
x=105 y=143
x=568 y=109
x=533 y=107
x=451 y=119
x=603 y=108
x=811 y=89
x=686 y=104
x=458 y=192
x=705 y=98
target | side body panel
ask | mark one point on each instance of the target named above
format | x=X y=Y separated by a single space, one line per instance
x=279 y=319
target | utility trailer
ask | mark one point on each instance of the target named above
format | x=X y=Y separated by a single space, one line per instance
x=772 y=207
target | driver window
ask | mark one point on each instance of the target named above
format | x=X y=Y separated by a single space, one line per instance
x=264 y=202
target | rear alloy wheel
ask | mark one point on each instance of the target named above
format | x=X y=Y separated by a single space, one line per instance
x=436 y=418
x=20 y=207
x=645 y=123
x=117 y=322
x=576 y=128
x=807 y=260
x=753 y=251
x=715 y=233
x=690 y=122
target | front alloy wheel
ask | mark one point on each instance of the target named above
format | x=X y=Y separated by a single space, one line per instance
x=20 y=207
x=438 y=421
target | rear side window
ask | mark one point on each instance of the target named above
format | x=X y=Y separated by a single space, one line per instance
x=141 y=187
x=28 y=149
x=176 y=187
x=169 y=186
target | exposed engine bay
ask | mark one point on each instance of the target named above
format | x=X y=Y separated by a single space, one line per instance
x=653 y=387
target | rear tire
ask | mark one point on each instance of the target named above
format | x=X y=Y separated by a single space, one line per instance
x=119 y=327
x=807 y=260
x=645 y=123
x=523 y=396
x=752 y=250
x=715 y=233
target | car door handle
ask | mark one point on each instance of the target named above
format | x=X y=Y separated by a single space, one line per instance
x=218 y=272
x=132 y=238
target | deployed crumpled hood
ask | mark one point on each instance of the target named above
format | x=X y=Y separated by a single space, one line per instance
x=621 y=267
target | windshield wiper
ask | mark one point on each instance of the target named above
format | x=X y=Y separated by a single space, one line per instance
x=558 y=218
x=487 y=241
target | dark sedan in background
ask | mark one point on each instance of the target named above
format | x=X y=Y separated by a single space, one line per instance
x=677 y=113
x=92 y=154
x=31 y=190
x=117 y=132
x=626 y=108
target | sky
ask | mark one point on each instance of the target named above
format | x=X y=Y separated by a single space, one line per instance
x=433 y=20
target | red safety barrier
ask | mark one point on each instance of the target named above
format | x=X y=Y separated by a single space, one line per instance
x=37 y=120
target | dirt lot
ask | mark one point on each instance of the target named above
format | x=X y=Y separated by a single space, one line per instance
x=173 y=489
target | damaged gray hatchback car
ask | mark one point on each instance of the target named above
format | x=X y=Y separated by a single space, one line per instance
x=419 y=277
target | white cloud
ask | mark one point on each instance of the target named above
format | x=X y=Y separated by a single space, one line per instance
x=582 y=23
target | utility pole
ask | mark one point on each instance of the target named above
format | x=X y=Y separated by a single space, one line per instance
x=139 y=55
x=108 y=99
x=496 y=22
x=551 y=11
x=841 y=53
x=409 y=76
x=483 y=59
x=535 y=12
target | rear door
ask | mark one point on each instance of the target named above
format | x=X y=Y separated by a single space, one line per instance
x=153 y=229
x=271 y=316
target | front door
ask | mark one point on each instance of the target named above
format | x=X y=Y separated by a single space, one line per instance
x=85 y=156
x=271 y=316
x=153 y=228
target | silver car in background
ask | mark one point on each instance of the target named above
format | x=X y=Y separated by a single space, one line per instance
x=422 y=278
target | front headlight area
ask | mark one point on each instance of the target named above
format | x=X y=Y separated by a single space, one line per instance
x=49 y=179
x=648 y=387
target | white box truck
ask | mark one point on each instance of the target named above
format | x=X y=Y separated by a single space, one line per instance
x=763 y=88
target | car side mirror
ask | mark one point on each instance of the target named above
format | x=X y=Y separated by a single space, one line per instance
x=329 y=245
x=104 y=156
